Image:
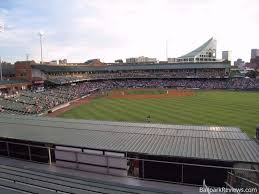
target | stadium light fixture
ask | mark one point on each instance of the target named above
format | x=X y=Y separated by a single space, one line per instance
x=41 y=33
x=166 y=50
x=1 y=70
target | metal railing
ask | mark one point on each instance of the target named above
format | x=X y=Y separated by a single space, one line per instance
x=248 y=186
x=174 y=172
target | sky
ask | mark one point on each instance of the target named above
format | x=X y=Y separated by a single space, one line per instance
x=79 y=30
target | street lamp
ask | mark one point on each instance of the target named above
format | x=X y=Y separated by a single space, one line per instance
x=41 y=33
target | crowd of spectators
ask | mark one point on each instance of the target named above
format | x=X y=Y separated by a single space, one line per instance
x=178 y=73
x=30 y=102
x=213 y=73
x=236 y=83
x=65 y=80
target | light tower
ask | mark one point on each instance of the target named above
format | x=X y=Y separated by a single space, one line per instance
x=41 y=33
x=1 y=70
x=166 y=50
x=27 y=57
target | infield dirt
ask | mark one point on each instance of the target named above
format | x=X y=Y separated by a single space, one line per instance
x=167 y=94
x=123 y=94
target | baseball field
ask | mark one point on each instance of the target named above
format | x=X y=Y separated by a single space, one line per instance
x=227 y=108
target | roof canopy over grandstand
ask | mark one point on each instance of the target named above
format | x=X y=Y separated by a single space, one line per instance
x=194 y=142
x=125 y=67
x=4 y=82
x=204 y=53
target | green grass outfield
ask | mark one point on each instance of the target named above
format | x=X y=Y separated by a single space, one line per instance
x=225 y=108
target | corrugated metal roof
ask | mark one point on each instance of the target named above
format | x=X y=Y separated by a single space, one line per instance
x=203 y=142
x=128 y=67
x=4 y=82
x=57 y=122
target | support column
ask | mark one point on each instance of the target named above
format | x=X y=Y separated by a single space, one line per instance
x=7 y=148
x=182 y=173
x=107 y=159
x=49 y=151
x=76 y=156
x=143 y=172
x=29 y=150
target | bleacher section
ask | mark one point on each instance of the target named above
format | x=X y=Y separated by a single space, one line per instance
x=28 y=102
x=15 y=180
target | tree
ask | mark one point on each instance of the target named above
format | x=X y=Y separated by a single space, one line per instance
x=251 y=74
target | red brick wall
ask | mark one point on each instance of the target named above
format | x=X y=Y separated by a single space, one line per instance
x=23 y=70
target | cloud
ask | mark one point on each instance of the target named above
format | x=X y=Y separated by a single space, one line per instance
x=83 y=29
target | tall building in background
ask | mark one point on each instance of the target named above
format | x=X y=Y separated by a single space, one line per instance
x=254 y=53
x=141 y=59
x=172 y=60
x=255 y=58
x=239 y=63
x=226 y=55
x=62 y=61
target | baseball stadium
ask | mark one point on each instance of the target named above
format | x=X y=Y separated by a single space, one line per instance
x=140 y=120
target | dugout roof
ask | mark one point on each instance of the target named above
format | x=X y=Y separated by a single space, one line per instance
x=196 y=142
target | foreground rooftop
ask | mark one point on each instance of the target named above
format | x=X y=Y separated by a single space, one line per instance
x=185 y=141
